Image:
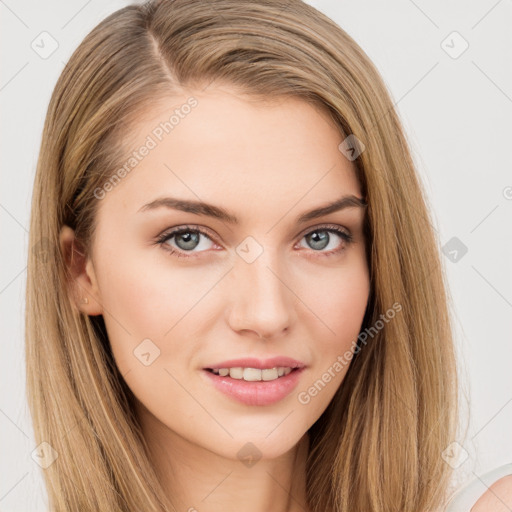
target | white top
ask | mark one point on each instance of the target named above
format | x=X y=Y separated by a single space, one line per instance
x=464 y=499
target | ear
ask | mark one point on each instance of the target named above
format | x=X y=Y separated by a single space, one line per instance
x=82 y=284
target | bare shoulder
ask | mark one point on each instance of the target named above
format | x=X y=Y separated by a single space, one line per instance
x=498 y=498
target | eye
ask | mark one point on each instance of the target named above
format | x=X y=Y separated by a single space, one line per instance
x=322 y=237
x=186 y=238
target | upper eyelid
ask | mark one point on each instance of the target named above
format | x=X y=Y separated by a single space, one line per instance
x=325 y=226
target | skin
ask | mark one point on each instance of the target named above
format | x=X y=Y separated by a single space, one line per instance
x=266 y=163
x=498 y=498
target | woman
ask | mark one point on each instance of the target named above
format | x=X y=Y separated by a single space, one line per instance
x=243 y=302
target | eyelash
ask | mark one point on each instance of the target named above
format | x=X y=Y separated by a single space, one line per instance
x=164 y=237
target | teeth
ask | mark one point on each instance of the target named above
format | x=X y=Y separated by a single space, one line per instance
x=236 y=373
x=271 y=374
x=253 y=374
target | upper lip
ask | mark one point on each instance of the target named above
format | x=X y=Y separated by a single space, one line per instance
x=252 y=362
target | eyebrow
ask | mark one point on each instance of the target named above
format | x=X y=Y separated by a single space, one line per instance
x=217 y=212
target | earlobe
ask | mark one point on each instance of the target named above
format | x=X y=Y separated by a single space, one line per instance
x=82 y=283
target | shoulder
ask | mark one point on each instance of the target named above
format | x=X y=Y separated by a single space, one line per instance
x=488 y=492
x=497 y=498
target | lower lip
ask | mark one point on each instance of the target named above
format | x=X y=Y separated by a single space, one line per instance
x=259 y=392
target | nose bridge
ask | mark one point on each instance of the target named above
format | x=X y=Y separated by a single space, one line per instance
x=261 y=300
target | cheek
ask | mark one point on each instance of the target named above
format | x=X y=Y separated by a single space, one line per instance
x=151 y=311
x=144 y=299
x=337 y=298
x=338 y=305
x=147 y=295
x=338 y=316
x=345 y=304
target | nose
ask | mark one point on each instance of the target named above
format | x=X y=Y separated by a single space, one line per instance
x=262 y=301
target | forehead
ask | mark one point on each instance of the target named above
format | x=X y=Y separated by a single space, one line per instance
x=220 y=145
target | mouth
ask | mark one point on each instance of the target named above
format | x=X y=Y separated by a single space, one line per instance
x=254 y=386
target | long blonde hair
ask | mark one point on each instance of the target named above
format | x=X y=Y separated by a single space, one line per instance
x=377 y=447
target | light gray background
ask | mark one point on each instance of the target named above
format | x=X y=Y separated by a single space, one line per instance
x=457 y=115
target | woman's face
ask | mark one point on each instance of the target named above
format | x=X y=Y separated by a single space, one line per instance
x=269 y=285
